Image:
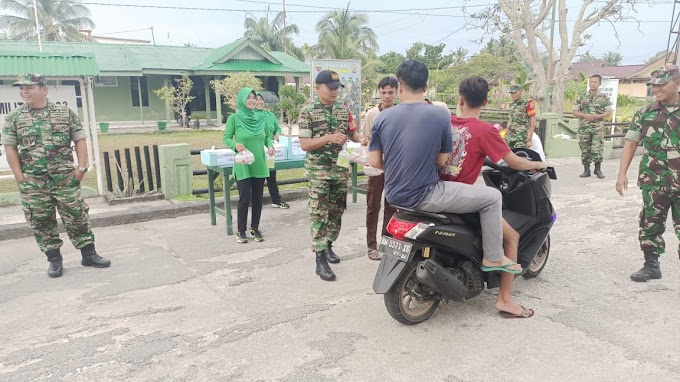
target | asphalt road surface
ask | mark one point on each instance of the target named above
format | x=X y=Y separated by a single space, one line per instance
x=184 y=302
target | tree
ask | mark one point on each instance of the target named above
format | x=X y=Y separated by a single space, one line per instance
x=272 y=35
x=587 y=57
x=178 y=97
x=612 y=59
x=390 y=62
x=522 y=80
x=290 y=103
x=503 y=47
x=307 y=51
x=230 y=86
x=59 y=20
x=430 y=55
x=460 y=55
x=345 y=35
x=656 y=57
x=526 y=23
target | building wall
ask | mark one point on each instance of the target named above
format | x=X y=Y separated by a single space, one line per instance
x=636 y=89
x=115 y=103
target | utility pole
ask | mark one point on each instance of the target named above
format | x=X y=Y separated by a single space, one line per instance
x=674 y=42
x=153 y=38
x=285 y=38
x=37 y=25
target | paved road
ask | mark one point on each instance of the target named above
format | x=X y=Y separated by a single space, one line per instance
x=183 y=302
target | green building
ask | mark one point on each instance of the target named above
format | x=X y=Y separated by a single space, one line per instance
x=128 y=74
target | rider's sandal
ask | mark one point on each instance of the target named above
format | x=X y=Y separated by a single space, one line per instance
x=503 y=268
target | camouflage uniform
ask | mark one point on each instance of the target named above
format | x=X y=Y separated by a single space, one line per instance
x=591 y=133
x=658 y=127
x=521 y=112
x=44 y=138
x=327 y=181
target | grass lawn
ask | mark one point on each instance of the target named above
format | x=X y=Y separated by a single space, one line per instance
x=196 y=139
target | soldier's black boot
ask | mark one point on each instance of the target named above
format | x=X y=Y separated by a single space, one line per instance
x=92 y=259
x=56 y=268
x=330 y=255
x=586 y=171
x=598 y=171
x=322 y=268
x=650 y=270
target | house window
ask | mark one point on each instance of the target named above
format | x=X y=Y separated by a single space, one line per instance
x=106 y=81
x=649 y=91
x=79 y=97
x=135 y=84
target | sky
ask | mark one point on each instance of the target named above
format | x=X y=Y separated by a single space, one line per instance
x=395 y=22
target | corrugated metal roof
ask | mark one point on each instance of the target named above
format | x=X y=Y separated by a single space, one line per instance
x=136 y=58
x=48 y=64
x=247 y=66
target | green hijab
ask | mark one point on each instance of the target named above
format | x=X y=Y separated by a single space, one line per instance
x=251 y=120
x=269 y=117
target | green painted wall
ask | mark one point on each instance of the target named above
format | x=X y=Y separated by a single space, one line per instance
x=115 y=103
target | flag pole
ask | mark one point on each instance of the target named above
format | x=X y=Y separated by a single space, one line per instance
x=37 y=25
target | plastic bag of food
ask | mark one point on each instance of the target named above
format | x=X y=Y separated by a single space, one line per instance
x=244 y=157
x=372 y=171
x=362 y=158
x=343 y=159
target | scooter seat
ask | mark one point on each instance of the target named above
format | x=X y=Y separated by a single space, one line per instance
x=471 y=219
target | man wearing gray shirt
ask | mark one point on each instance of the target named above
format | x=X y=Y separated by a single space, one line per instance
x=410 y=142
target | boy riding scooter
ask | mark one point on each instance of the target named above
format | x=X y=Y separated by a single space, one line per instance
x=473 y=141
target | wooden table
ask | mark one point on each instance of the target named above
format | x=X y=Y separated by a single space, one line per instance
x=229 y=180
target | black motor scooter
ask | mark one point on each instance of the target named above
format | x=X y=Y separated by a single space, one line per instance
x=436 y=256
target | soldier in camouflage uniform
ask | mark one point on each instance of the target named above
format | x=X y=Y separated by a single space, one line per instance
x=522 y=120
x=325 y=125
x=37 y=138
x=658 y=127
x=592 y=108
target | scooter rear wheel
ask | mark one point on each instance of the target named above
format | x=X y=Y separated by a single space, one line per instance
x=541 y=259
x=409 y=301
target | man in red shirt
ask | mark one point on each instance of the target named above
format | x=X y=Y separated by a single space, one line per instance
x=473 y=141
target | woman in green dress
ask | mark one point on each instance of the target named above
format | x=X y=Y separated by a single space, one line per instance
x=274 y=128
x=246 y=130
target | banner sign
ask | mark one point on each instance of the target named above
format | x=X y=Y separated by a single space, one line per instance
x=350 y=76
x=610 y=87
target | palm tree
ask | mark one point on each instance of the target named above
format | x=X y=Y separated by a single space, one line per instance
x=612 y=58
x=59 y=20
x=272 y=35
x=459 y=56
x=523 y=81
x=344 y=35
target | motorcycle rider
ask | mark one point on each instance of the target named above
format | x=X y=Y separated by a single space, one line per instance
x=473 y=141
x=401 y=133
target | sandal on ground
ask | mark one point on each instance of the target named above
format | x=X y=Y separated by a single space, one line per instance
x=373 y=254
x=526 y=313
x=503 y=268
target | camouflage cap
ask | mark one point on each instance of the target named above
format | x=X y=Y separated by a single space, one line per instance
x=661 y=76
x=515 y=88
x=30 y=79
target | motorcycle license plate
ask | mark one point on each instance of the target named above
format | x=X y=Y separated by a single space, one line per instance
x=395 y=248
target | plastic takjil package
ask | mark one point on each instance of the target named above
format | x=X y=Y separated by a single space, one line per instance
x=372 y=171
x=244 y=157
x=362 y=158
x=343 y=159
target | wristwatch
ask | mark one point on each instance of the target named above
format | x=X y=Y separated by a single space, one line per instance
x=83 y=169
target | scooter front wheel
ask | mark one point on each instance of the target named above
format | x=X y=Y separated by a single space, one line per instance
x=541 y=259
x=410 y=301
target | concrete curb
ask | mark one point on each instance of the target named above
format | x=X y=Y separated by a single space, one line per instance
x=143 y=213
